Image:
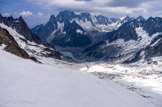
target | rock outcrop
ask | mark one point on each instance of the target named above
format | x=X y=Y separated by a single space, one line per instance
x=11 y=45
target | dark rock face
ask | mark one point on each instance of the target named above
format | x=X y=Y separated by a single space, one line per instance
x=85 y=16
x=99 y=52
x=126 y=19
x=153 y=25
x=72 y=38
x=126 y=32
x=52 y=53
x=140 y=18
x=45 y=30
x=96 y=53
x=38 y=29
x=102 y=20
x=105 y=20
x=20 y=26
x=11 y=44
x=65 y=16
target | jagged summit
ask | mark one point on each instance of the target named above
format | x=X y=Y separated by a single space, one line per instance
x=52 y=19
x=140 y=18
x=21 y=27
x=99 y=37
x=55 y=27
x=65 y=16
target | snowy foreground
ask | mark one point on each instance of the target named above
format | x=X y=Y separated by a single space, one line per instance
x=25 y=83
x=143 y=78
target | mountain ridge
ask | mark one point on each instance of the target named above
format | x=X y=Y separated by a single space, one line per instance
x=21 y=27
x=88 y=22
x=70 y=32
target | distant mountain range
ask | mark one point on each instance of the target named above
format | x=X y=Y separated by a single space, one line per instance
x=68 y=29
x=131 y=42
x=93 y=38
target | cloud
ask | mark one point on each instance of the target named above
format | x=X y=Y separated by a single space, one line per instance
x=26 y=13
x=38 y=11
x=114 y=8
x=6 y=14
x=40 y=14
x=83 y=0
x=127 y=3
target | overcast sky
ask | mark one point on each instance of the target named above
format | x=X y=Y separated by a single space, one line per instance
x=38 y=11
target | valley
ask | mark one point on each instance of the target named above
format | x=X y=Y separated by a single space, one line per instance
x=81 y=60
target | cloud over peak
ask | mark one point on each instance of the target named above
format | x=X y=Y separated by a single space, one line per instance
x=109 y=7
x=6 y=15
x=39 y=9
x=26 y=13
x=39 y=14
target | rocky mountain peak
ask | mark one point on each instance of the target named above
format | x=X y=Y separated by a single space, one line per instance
x=153 y=25
x=11 y=45
x=85 y=15
x=20 y=18
x=20 y=26
x=67 y=12
x=140 y=18
x=64 y=16
x=10 y=18
x=127 y=17
x=102 y=19
x=52 y=18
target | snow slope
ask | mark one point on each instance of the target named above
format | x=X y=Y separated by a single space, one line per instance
x=28 y=84
x=143 y=77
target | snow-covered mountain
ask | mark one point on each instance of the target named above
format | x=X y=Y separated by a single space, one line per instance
x=128 y=40
x=154 y=49
x=9 y=44
x=33 y=49
x=140 y=18
x=99 y=37
x=21 y=27
x=76 y=30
